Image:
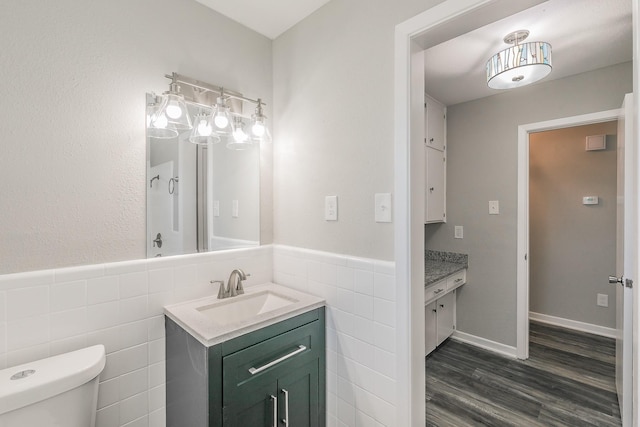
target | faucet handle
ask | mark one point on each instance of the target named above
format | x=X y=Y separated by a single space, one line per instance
x=221 y=292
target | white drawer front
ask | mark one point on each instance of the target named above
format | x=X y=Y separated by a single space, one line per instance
x=435 y=291
x=457 y=279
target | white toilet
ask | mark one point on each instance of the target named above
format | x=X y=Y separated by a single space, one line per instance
x=60 y=391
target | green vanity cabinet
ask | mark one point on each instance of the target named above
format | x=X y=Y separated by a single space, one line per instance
x=272 y=377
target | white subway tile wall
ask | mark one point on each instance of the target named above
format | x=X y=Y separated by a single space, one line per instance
x=120 y=305
x=361 y=311
x=44 y=313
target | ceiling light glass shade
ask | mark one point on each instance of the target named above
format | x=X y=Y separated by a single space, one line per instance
x=175 y=110
x=519 y=65
x=202 y=132
x=221 y=119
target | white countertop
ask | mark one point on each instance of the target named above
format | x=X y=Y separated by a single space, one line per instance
x=210 y=333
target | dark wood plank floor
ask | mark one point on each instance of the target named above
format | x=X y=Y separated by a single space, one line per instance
x=568 y=380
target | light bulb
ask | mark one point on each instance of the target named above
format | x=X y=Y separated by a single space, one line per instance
x=173 y=110
x=258 y=129
x=160 y=121
x=239 y=135
x=204 y=128
x=221 y=121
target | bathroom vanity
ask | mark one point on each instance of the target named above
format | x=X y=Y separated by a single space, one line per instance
x=262 y=369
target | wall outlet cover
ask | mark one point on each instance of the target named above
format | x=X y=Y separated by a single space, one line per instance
x=331 y=208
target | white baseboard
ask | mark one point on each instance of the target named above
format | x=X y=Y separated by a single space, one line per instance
x=496 y=347
x=573 y=324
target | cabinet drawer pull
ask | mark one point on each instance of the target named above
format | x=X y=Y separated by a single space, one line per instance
x=275 y=410
x=458 y=280
x=285 y=420
x=300 y=349
x=437 y=291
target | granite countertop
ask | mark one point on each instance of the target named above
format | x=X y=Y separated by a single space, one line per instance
x=438 y=265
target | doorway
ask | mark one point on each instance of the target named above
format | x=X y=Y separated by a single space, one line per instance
x=459 y=16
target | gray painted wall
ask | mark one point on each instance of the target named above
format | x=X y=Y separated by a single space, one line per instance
x=74 y=79
x=482 y=166
x=572 y=247
x=333 y=89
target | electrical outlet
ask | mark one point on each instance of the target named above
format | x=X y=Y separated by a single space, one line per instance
x=331 y=208
x=458 y=232
x=603 y=300
x=216 y=208
x=234 y=208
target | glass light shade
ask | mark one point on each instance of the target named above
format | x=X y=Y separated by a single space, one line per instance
x=202 y=132
x=519 y=65
x=175 y=110
x=221 y=118
x=157 y=127
x=259 y=130
x=239 y=138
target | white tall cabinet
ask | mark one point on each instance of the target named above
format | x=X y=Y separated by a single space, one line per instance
x=435 y=149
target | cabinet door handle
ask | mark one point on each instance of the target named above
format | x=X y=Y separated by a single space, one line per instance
x=441 y=305
x=300 y=349
x=274 y=400
x=285 y=420
x=437 y=291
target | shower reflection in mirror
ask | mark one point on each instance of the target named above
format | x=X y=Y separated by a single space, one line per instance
x=203 y=168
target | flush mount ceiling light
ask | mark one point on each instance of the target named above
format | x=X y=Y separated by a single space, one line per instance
x=520 y=64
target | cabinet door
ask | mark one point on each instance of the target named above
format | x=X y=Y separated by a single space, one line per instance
x=446 y=312
x=299 y=397
x=435 y=123
x=430 y=327
x=435 y=186
x=256 y=406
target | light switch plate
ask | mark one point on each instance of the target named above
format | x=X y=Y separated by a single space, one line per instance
x=234 y=208
x=383 y=207
x=331 y=208
x=458 y=232
x=494 y=207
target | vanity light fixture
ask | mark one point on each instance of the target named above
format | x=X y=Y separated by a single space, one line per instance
x=225 y=120
x=520 y=64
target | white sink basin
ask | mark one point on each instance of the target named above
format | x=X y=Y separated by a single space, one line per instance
x=243 y=307
x=211 y=320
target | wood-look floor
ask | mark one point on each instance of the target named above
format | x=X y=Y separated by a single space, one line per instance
x=568 y=380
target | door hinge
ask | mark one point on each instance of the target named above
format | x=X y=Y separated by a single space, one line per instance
x=525 y=257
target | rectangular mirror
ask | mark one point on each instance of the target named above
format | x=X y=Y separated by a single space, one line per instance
x=200 y=197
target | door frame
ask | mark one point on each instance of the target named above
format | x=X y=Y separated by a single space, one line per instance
x=522 y=268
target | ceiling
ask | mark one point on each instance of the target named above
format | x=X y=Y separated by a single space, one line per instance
x=267 y=17
x=585 y=35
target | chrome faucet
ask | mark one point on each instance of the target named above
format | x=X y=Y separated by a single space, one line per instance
x=234 y=285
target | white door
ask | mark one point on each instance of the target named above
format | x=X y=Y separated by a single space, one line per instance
x=625 y=255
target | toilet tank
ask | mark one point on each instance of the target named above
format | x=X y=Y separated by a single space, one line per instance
x=59 y=391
